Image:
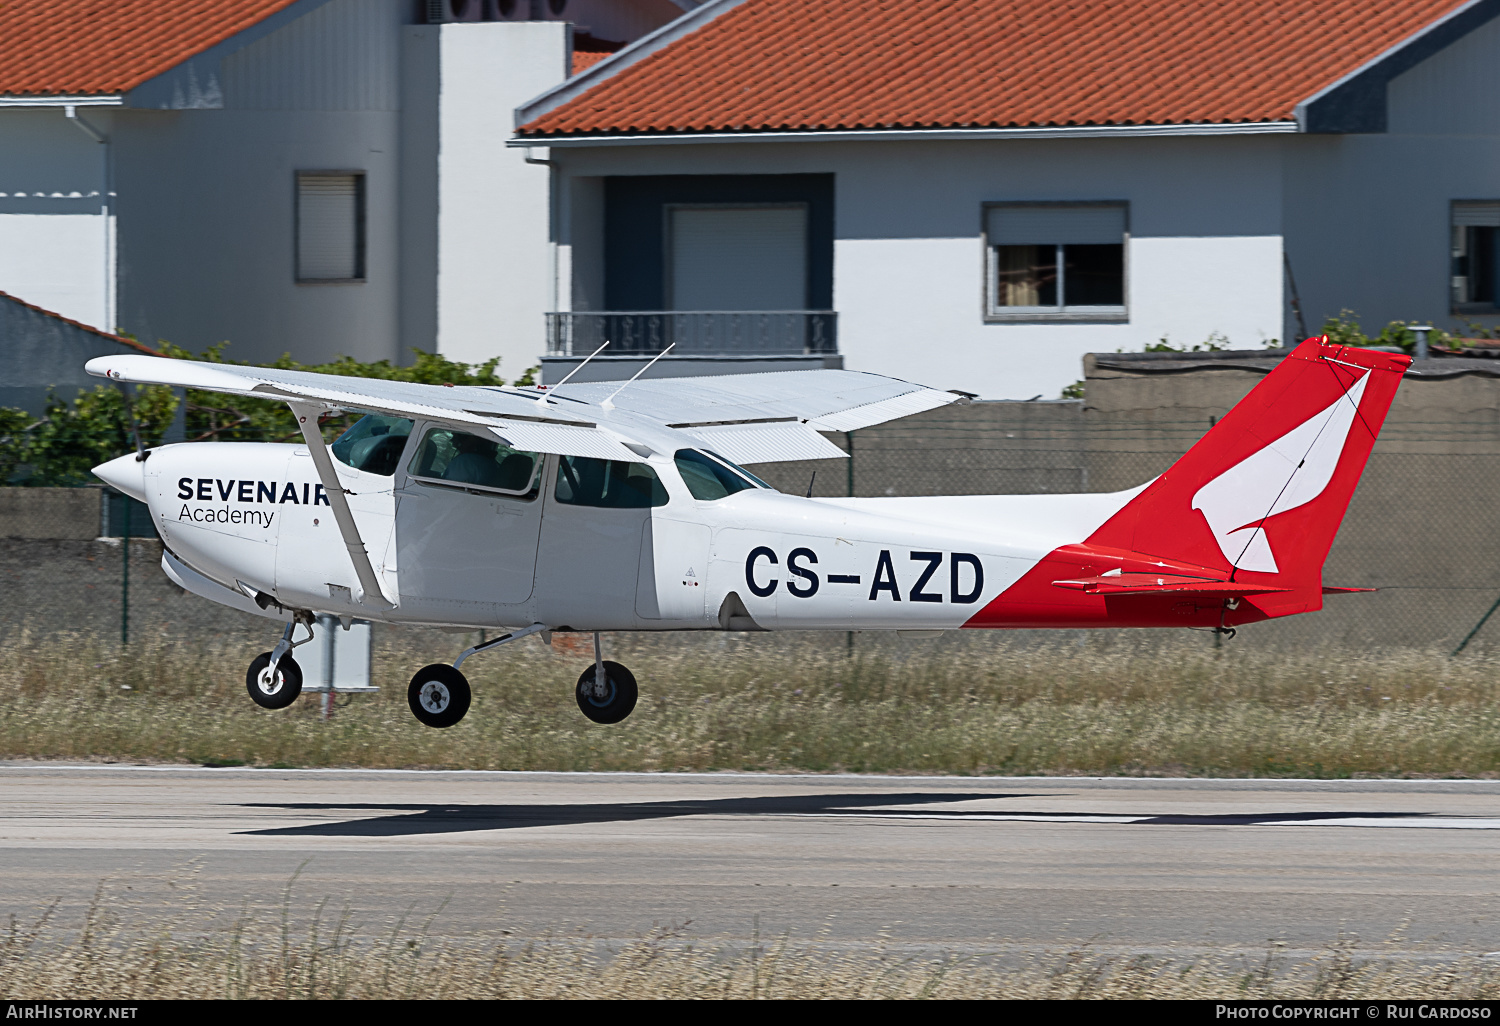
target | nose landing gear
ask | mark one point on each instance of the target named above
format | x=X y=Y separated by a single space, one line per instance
x=274 y=679
x=273 y=691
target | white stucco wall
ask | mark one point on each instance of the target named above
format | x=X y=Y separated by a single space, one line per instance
x=495 y=257
x=1204 y=256
x=56 y=229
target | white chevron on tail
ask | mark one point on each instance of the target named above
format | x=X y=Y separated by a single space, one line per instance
x=1290 y=472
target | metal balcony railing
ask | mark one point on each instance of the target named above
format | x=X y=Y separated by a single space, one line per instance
x=695 y=332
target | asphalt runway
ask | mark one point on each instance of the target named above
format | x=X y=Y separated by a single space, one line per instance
x=964 y=863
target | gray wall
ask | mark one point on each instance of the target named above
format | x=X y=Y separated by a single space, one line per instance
x=1368 y=215
x=206 y=196
x=42 y=353
x=52 y=513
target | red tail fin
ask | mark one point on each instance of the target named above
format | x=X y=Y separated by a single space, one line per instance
x=1261 y=496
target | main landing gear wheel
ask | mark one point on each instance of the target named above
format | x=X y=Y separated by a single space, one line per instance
x=439 y=695
x=612 y=702
x=280 y=692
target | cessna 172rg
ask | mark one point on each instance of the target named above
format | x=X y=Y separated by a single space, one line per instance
x=600 y=507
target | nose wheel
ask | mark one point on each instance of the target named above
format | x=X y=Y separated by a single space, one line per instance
x=273 y=691
x=608 y=697
x=438 y=695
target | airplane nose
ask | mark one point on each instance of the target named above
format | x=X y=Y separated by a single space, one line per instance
x=126 y=473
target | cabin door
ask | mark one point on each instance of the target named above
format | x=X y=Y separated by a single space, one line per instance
x=590 y=554
x=468 y=515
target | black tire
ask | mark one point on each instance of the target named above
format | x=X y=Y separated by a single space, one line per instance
x=438 y=695
x=286 y=688
x=619 y=699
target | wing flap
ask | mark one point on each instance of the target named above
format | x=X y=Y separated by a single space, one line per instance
x=1162 y=584
x=778 y=442
x=562 y=439
x=886 y=409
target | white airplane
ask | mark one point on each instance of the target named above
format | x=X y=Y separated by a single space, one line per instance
x=602 y=507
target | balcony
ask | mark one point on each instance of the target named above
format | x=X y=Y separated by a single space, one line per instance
x=695 y=332
x=706 y=342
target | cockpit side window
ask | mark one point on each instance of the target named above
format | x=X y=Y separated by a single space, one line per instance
x=608 y=484
x=470 y=461
x=373 y=444
x=711 y=477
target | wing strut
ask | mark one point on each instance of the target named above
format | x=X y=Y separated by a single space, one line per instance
x=307 y=421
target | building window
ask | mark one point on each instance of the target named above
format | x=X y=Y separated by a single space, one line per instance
x=330 y=226
x=1055 y=261
x=1475 y=230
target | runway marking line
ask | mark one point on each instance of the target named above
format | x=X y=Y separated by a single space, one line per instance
x=1403 y=820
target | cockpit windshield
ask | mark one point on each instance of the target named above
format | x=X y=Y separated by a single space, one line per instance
x=709 y=476
x=373 y=444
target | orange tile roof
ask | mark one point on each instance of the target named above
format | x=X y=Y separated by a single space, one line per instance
x=790 y=65
x=583 y=59
x=91 y=47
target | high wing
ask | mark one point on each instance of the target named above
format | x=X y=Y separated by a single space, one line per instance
x=536 y=426
x=747 y=418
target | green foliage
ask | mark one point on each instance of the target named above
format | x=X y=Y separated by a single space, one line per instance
x=1215 y=343
x=13 y=425
x=1345 y=330
x=1073 y=391
x=71 y=437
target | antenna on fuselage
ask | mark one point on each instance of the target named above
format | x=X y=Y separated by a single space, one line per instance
x=541 y=400
x=609 y=403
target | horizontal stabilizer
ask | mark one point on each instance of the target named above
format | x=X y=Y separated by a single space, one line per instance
x=1162 y=584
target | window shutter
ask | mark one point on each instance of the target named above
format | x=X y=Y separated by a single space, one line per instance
x=1477 y=215
x=328 y=227
x=738 y=258
x=1054 y=226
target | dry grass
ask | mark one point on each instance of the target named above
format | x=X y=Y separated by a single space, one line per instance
x=328 y=956
x=980 y=703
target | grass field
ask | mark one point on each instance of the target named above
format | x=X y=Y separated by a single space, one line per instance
x=977 y=704
x=328 y=952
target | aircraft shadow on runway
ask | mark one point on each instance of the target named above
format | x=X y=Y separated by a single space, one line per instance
x=408 y=819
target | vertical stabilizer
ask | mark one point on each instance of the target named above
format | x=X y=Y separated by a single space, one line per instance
x=1261 y=496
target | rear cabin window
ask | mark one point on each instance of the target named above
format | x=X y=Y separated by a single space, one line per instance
x=469 y=461
x=708 y=478
x=373 y=444
x=608 y=484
